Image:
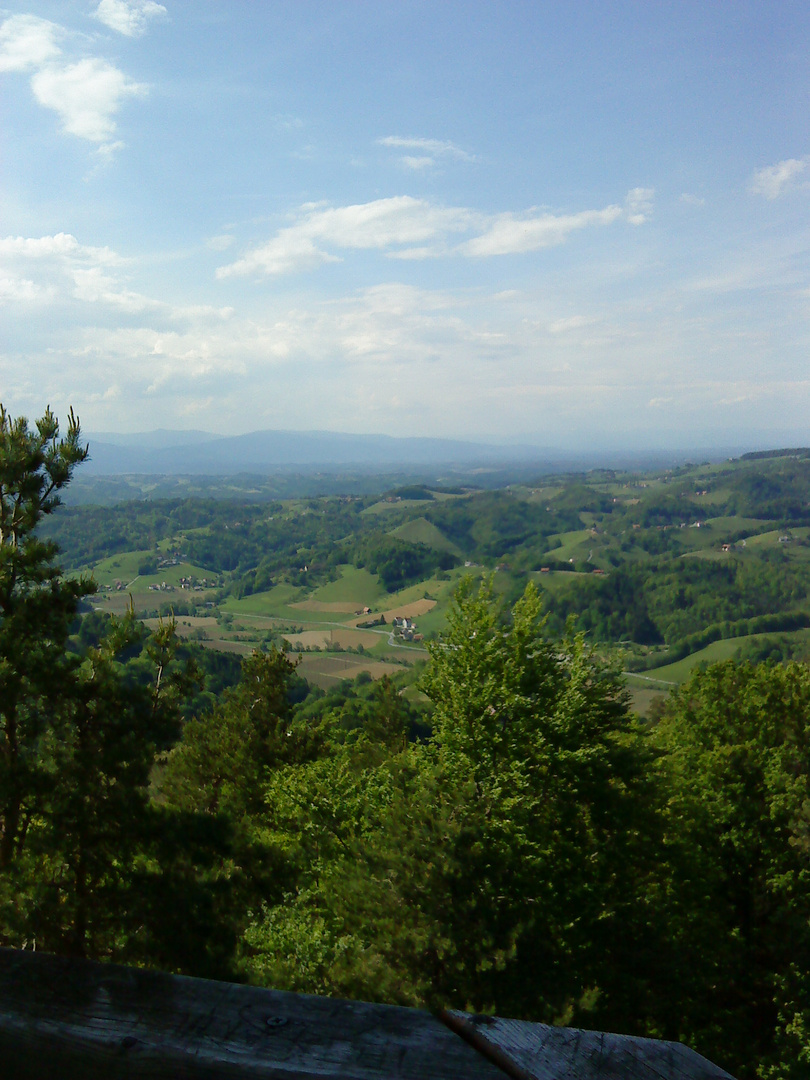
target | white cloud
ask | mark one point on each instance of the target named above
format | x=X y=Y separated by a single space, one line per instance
x=512 y=234
x=431 y=149
x=380 y=224
x=573 y=322
x=434 y=147
x=407 y=228
x=639 y=203
x=417 y=163
x=93 y=286
x=384 y=222
x=18 y=289
x=692 y=200
x=27 y=42
x=62 y=245
x=287 y=253
x=221 y=242
x=287 y=122
x=773 y=180
x=59 y=270
x=86 y=96
x=129 y=17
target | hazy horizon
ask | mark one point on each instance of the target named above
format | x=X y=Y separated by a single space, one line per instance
x=190 y=439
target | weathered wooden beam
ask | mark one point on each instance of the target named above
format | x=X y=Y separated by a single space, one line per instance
x=75 y=1020
x=66 y=1019
x=539 y=1052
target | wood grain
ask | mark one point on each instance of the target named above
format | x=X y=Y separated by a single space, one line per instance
x=64 y=1019
x=540 y=1052
x=75 y=1020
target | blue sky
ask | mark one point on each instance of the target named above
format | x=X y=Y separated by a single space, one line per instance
x=581 y=225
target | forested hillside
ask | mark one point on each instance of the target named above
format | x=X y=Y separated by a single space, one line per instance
x=467 y=812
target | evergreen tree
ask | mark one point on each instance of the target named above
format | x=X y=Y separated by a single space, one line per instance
x=87 y=862
x=37 y=607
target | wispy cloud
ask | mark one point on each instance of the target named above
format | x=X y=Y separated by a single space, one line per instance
x=639 y=203
x=572 y=322
x=86 y=94
x=430 y=150
x=129 y=17
x=435 y=147
x=220 y=242
x=417 y=163
x=774 y=180
x=513 y=234
x=403 y=227
x=381 y=224
x=287 y=122
x=58 y=269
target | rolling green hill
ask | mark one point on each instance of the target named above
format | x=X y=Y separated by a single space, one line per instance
x=643 y=562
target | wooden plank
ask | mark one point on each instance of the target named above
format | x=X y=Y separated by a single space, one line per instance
x=64 y=1019
x=529 y=1051
x=76 y=1020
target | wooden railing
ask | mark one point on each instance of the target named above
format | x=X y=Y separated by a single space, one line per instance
x=64 y=1019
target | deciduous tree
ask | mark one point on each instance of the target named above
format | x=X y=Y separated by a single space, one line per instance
x=737 y=766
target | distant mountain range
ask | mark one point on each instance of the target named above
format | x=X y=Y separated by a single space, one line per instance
x=199 y=453
x=169 y=453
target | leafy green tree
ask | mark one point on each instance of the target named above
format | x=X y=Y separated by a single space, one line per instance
x=537 y=739
x=222 y=762
x=329 y=816
x=93 y=825
x=216 y=778
x=499 y=865
x=737 y=743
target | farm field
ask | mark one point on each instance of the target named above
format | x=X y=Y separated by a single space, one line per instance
x=325 y=670
x=322 y=622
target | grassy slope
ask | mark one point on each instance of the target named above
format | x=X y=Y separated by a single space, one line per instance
x=124 y=568
x=574 y=545
x=716 y=651
x=355 y=586
x=421 y=531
